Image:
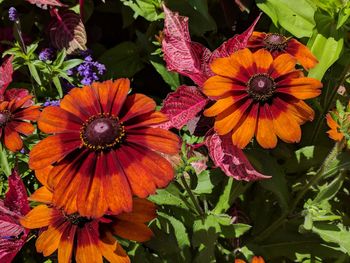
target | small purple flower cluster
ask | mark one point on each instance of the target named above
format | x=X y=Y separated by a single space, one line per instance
x=13 y=15
x=50 y=102
x=90 y=70
x=46 y=54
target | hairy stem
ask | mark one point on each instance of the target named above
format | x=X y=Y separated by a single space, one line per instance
x=192 y=197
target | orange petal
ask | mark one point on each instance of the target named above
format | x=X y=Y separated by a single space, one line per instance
x=136 y=105
x=282 y=65
x=88 y=250
x=239 y=261
x=301 y=111
x=48 y=241
x=222 y=104
x=13 y=141
x=244 y=57
x=257 y=259
x=143 y=211
x=155 y=138
x=217 y=86
x=300 y=88
x=42 y=195
x=114 y=253
x=265 y=134
x=43 y=174
x=243 y=134
x=147 y=119
x=31 y=113
x=133 y=231
x=263 y=60
x=53 y=119
x=65 y=248
x=22 y=127
x=226 y=67
x=39 y=216
x=52 y=149
x=302 y=53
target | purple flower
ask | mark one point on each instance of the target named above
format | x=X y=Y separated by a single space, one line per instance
x=90 y=70
x=50 y=102
x=46 y=54
x=13 y=16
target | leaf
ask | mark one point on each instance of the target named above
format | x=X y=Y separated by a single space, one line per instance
x=171 y=78
x=180 y=53
x=122 y=60
x=297 y=16
x=149 y=9
x=68 y=31
x=231 y=159
x=44 y=3
x=204 y=183
x=6 y=71
x=182 y=106
x=328 y=191
x=18 y=94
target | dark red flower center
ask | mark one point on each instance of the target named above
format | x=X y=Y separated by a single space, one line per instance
x=78 y=220
x=275 y=42
x=5 y=116
x=261 y=87
x=102 y=132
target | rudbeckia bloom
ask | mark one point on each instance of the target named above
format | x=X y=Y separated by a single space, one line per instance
x=89 y=239
x=278 y=44
x=334 y=133
x=104 y=148
x=258 y=95
x=14 y=117
x=255 y=259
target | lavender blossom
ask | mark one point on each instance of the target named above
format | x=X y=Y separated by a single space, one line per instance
x=13 y=15
x=90 y=70
x=50 y=102
x=46 y=54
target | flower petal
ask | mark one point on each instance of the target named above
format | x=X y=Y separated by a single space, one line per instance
x=135 y=105
x=217 y=86
x=65 y=248
x=31 y=113
x=88 y=249
x=282 y=65
x=265 y=133
x=12 y=140
x=143 y=211
x=22 y=127
x=42 y=195
x=302 y=53
x=133 y=231
x=39 y=216
x=263 y=60
x=300 y=88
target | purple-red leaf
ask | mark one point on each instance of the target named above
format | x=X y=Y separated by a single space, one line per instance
x=231 y=159
x=180 y=53
x=45 y=3
x=6 y=71
x=182 y=106
x=18 y=94
x=16 y=197
x=67 y=31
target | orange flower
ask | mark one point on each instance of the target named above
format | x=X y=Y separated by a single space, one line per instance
x=89 y=239
x=278 y=44
x=258 y=95
x=104 y=149
x=14 y=115
x=334 y=133
x=255 y=259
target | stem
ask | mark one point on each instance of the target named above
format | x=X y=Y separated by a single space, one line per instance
x=4 y=162
x=192 y=197
x=333 y=154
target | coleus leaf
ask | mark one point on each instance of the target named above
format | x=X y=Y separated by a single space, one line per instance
x=18 y=94
x=67 y=31
x=44 y=3
x=12 y=235
x=231 y=159
x=182 y=106
x=180 y=53
x=6 y=71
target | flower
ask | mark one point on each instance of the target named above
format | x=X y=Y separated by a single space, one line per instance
x=89 y=70
x=13 y=15
x=89 y=239
x=46 y=54
x=50 y=102
x=334 y=133
x=258 y=95
x=104 y=148
x=14 y=115
x=278 y=44
x=255 y=259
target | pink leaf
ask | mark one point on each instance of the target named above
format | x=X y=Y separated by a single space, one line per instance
x=231 y=159
x=6 y=71
x=67 y=31
x=16 y=197
x=45 y=3
x=180 y=53
x=18 y=94
x=182 y=106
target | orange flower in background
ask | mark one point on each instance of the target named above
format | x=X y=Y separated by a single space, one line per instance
x=258 y=95
x=255 y=259
x=14 y=115
x=89 y=239
x=278 y=44
x=334 y=133
x=104 y=149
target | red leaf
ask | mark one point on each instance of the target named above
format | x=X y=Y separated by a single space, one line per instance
x=18 y=94
x=180 y=53
x=6 y=71
x=16 y=197
x=44 y=3
x=182 y=106
x=67 y=31
x=231 y=159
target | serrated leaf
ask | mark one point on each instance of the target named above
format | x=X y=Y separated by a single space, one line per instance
x=68 y=31
x=45 y=3
x=182 y=106
x=149 y=9
x=204 y=183
x=6 y=71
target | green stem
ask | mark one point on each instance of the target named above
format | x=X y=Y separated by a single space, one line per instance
x=192 y=197
x=4 y=162
x=318 y=176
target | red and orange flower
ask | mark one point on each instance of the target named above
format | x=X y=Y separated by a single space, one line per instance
x=259 y=95
x=278 y=44
x=255 y=259
x=89 y=239
x=334 y=133
x=14 y=117
x=104 y=149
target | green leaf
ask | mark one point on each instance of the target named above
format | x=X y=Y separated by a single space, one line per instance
x=34 y=73
x=122 y=60
x=230 y=230
x=328 y=191
x=343 y=16
x=69 y=64
x=171 y=78
x=149 y=9
x=296 y=16
x=58 y=86
x=4 y=162
x=204 y=183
